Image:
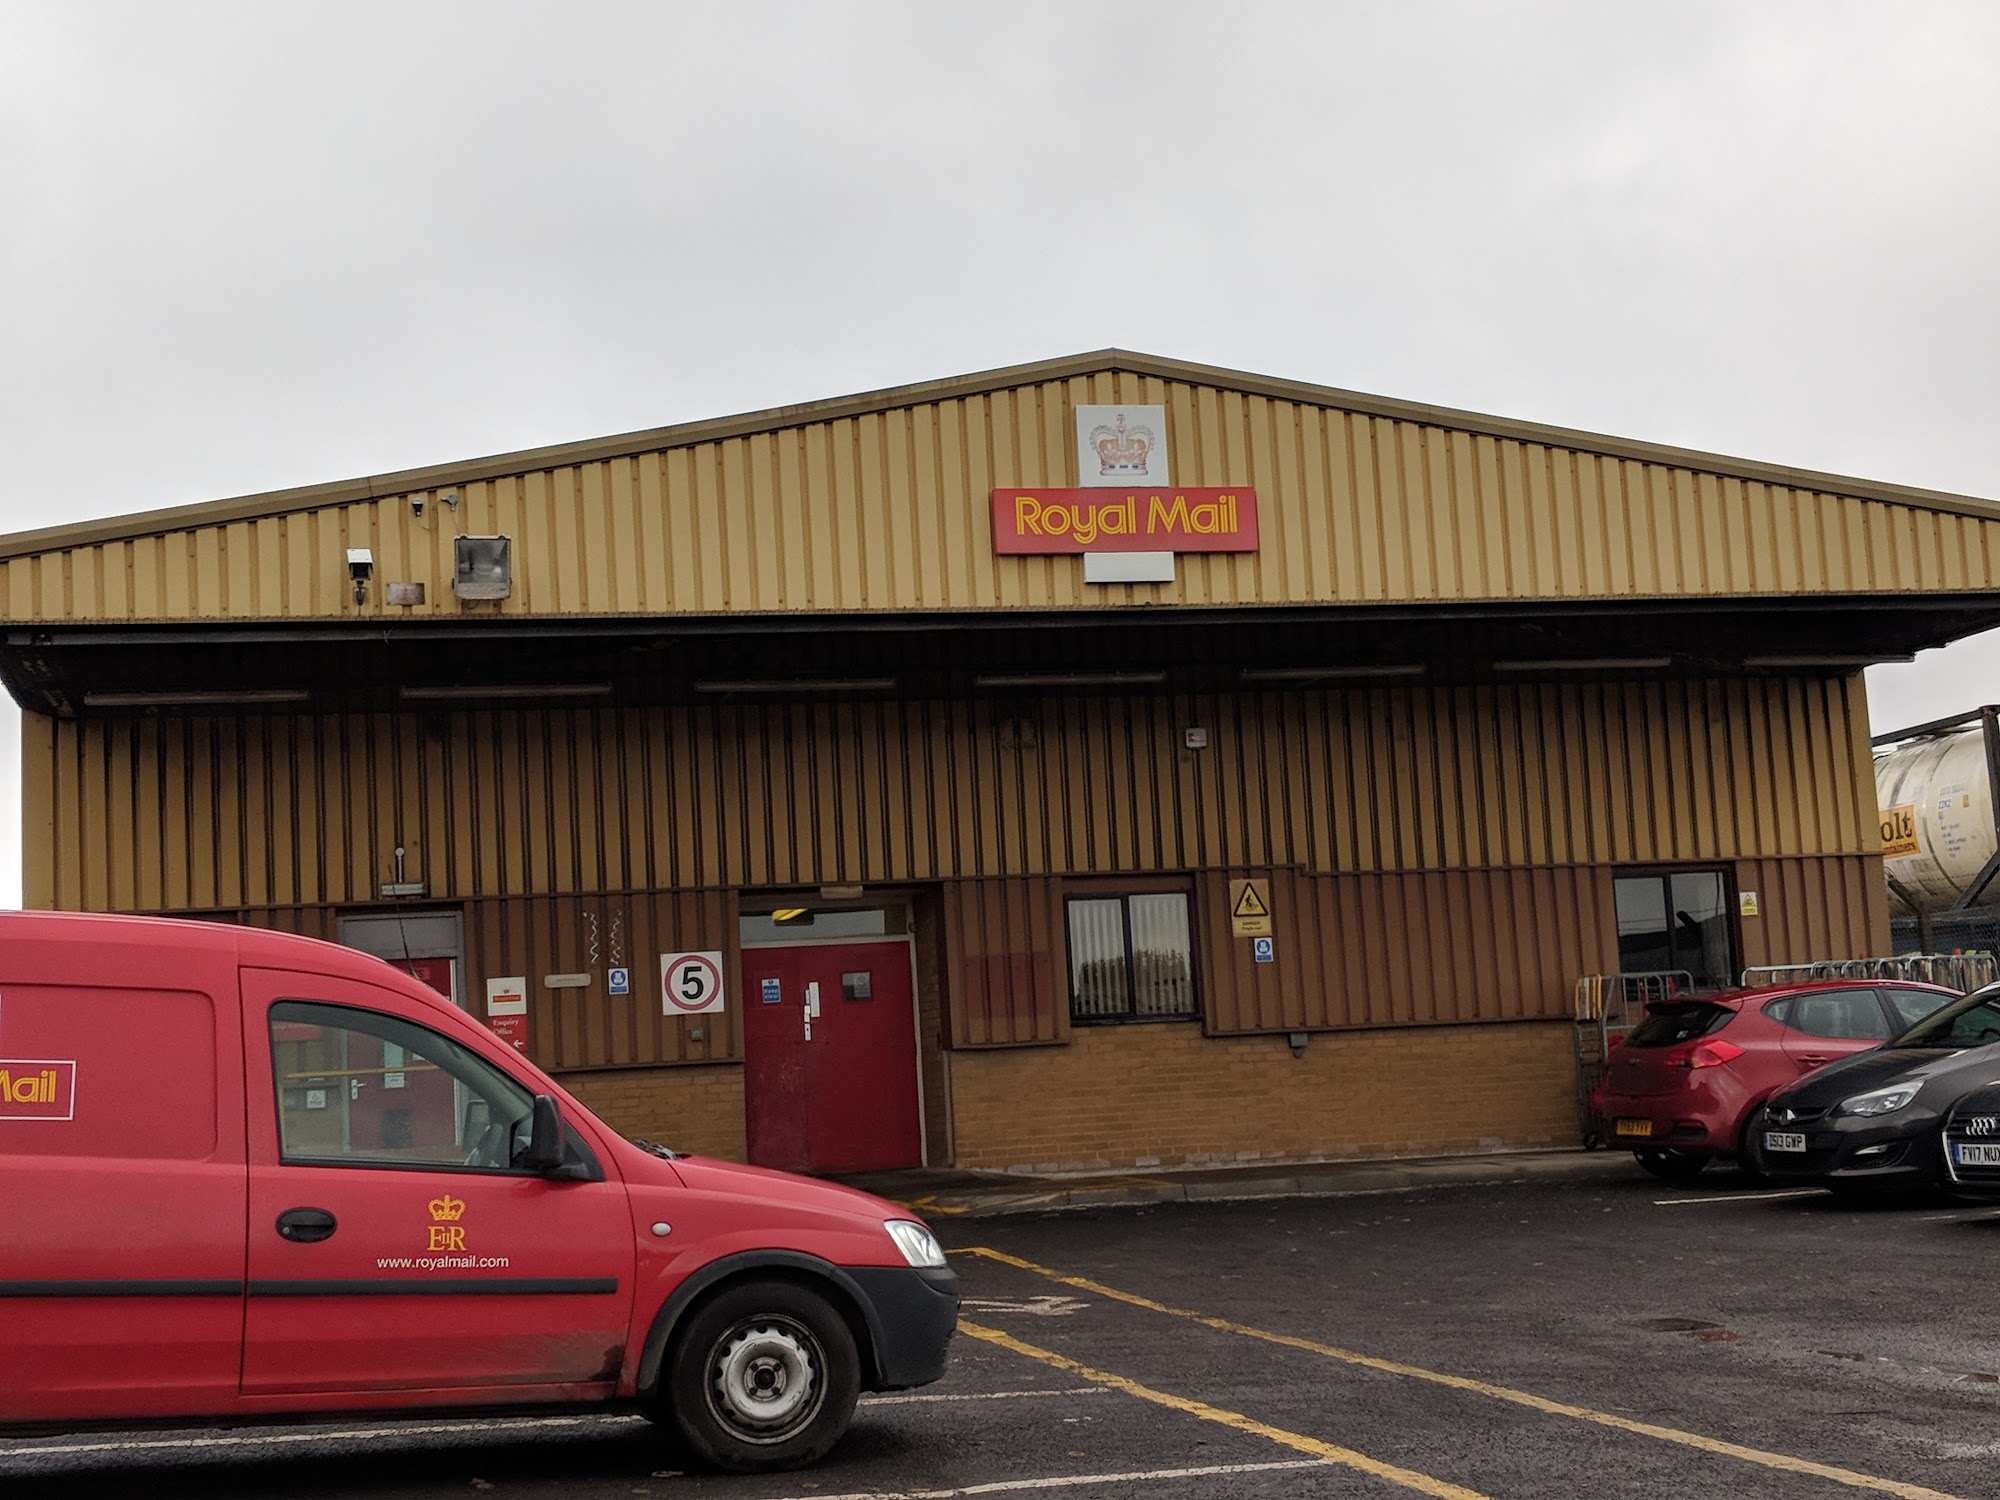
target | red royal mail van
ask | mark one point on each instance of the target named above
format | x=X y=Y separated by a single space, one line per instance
x=246 y=1175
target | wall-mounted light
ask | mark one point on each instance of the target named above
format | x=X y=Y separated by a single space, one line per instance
x=786 y=685
x=1297 y=1041
x=360 y=568
x=1068 y=679
x=1587 y=664
x=473 y=693
x=233 y=698
x=484 y=567
x=1331 y=674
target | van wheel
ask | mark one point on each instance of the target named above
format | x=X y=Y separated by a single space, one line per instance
x=763 y=1376
x=1674 y=1166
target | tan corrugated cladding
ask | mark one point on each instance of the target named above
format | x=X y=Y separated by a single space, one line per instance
x=575 y=1030
x=856 y=506
x=1459 y=837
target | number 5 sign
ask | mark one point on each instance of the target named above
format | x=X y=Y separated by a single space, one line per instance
x=690 y=983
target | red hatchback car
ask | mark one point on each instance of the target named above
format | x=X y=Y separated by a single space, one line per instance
x=1680 y=1087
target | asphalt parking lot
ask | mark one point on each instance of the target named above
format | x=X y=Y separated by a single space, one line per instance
x=1608 y=1335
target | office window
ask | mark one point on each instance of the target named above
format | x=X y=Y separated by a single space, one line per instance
x=1678 y=919
x=1131 y=958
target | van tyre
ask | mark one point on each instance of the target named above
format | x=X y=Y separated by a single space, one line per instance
x=762 y=1376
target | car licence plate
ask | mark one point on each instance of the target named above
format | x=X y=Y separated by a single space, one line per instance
x=1784 y=1140
x=1633 y=1127
x=1968 y=1154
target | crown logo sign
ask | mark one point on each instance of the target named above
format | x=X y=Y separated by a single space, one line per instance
x=447 y=1210
x=1122 y=449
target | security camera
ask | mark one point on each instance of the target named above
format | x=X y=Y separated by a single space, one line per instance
x=360 y=567
x=417 y=506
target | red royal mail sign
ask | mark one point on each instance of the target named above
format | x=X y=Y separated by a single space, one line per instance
x=37 y=1090
x=1035 y=522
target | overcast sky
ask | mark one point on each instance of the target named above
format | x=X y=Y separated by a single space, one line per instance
x=253 y=245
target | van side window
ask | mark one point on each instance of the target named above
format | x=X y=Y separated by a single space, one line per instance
x=356 y=1088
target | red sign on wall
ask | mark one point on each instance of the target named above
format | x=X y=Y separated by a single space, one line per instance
x=1029 y=522
x=37 y=1090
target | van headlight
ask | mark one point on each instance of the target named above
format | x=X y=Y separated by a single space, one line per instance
x=1881 y=1101
x=919 y=1246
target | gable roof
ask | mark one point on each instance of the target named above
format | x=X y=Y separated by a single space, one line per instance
x=881 y=507
x=432 y=477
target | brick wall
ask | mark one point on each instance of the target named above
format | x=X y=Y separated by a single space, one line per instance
x=1165 y=1095
x=691 y=1109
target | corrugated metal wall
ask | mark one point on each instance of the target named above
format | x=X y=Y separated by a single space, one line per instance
x=1437 y=854
x=227 y=811
x=888 y=511
x=574 y=1030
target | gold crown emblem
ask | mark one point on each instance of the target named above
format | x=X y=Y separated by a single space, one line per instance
x=1122 y=450
x=447 y=1210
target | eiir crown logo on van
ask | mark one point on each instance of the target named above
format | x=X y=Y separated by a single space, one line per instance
x=37 y=1089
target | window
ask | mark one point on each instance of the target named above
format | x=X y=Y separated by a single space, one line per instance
x=1676 y=920
x=1666 y=1025
x=1843 y=1015
x=356 y=1088
x=1130 y=958
x=1911 y=1006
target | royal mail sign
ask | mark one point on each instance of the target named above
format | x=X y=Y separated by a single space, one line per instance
x=1029 y=522
x=37 y=1089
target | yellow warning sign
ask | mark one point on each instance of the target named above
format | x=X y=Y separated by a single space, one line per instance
x=1250 y=908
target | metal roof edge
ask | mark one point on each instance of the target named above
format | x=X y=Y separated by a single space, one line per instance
x=269 y=503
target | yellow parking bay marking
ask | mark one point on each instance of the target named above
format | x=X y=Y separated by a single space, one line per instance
x=1073 y=1481
x=1780 y=1461
x=1333 y=1453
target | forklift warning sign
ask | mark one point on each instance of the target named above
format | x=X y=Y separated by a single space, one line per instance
x=1250 y=908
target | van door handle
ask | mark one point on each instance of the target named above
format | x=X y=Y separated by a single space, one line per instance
x=306 y=1226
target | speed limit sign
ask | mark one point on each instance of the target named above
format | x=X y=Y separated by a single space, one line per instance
x=690 y=983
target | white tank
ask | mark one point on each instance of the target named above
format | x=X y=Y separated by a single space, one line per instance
x=1938 y=789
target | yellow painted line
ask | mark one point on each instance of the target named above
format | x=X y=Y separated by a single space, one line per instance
x=1332 y=1453
x=1782 y=1462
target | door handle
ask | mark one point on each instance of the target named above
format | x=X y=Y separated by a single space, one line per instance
x=306 y=1226
x=1814 y=1060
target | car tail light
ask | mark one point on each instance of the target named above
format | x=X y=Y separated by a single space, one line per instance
x=1709 y=1054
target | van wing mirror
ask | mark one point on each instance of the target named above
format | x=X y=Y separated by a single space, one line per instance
x=545 y=1138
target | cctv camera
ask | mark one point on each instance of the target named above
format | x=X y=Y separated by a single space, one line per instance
x=417 y=506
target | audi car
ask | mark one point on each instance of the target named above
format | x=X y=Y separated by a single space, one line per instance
x=1871 y=1124
x=1972 y=1142
x=1680 y=1087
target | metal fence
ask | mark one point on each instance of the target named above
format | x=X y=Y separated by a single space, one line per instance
x=1963 y=972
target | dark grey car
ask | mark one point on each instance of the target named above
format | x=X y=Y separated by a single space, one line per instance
x=1870 y=1124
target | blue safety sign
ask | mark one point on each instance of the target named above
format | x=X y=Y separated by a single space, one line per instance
x=621 y=982
x=1260 y=949
x=772 y=993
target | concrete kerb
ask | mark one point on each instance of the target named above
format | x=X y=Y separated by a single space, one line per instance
x=946 y=1195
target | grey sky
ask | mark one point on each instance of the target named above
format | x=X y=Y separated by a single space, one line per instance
x=248 y=245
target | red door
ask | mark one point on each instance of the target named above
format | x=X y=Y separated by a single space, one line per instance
x=830 y=1058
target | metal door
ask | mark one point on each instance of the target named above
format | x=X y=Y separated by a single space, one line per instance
x=830 y=1058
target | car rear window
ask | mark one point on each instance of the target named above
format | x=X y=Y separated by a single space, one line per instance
x=1666 y=1024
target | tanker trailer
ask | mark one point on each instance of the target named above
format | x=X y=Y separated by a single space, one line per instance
x=1934 y=786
